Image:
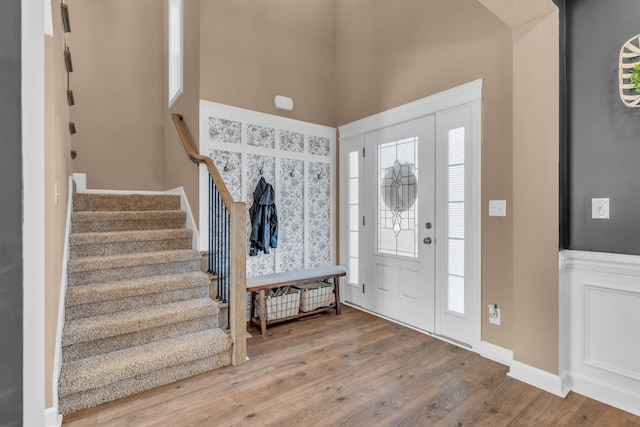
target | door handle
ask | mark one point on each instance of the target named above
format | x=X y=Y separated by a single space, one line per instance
x=426 y=240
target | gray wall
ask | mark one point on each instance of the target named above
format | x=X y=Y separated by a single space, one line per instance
x=10 y=217
x=603 y=135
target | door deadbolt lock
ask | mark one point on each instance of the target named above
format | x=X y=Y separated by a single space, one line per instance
x=428 y=225
x=427 y=240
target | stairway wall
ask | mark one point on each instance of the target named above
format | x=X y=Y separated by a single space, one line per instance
x=118 y=58
x=178 y=169
x=57 y=170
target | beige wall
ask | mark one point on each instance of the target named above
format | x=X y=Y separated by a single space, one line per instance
x=252 y=51
x=117 y=48
x=391 y=53
x=340 y=61
x=535 y=193
x=178 y=169
x=57 y=170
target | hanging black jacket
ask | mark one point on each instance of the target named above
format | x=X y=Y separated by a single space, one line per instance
x=264 y=219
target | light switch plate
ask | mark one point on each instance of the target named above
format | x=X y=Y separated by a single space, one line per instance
x=497 y=208
x=600 y=208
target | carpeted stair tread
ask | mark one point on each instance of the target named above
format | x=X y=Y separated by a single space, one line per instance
x=113 y=324
x=128 y=236
x=121 y=242
x=92 y=293
x=103 y=298
x=108 y=368
x=127 y=387
x=103 y=221
x=91 y=348
x=125 y=202
x=129 y=260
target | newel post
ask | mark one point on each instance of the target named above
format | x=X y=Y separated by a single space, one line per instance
x=238 y=302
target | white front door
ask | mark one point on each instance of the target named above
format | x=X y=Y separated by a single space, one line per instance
x=410 y=213
x=399 y=224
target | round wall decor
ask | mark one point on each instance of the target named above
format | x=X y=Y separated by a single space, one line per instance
x=629 y=72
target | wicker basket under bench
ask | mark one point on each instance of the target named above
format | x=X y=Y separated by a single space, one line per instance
x=259 y=285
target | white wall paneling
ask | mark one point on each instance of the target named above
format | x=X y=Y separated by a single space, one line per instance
x=600 y=297
x=297 y=158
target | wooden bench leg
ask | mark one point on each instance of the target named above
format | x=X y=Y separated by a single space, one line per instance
x=336 y=287
x=262 y=306
x=252 y=306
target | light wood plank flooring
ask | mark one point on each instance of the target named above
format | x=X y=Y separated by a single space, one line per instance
x=352 y=370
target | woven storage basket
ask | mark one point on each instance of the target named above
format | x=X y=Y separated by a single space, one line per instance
x=315 y=295
x=281 y=302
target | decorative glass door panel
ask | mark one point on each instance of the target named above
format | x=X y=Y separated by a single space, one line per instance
x=397 y=194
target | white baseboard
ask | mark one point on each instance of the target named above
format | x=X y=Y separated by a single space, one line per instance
x=80 y=180
x=52 y=418
x=607 y=393
x=191 y=223
x=496 y=353
x=538 y=378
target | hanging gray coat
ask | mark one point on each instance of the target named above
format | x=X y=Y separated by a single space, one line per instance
x=264 y=219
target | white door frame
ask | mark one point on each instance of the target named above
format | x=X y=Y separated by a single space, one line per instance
x=467 y=94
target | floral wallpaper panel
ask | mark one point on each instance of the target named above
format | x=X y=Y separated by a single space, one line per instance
x=291 y=215
x=319 y=229
x=261 y=136
x=291 y=141
x=222 y=130
x=229 y=164
x=319 y=145
x=262 y=263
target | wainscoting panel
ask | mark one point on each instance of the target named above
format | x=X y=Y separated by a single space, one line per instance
x=610 y=316
x=602 y=310
x=297 y=159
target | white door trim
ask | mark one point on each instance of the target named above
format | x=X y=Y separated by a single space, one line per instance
x=466 y=94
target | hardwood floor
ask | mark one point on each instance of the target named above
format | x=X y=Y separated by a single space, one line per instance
x=352 y=370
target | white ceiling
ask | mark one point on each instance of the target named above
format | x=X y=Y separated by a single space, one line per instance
x=517 y=12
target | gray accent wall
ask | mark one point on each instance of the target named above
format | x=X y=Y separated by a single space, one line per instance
x=10 y=216
x=603 y=136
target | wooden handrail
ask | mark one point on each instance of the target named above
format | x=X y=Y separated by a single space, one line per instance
x=187 y=142
x=238 y=246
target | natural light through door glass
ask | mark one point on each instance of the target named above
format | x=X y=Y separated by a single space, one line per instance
x=353 y=217
x=455 y=218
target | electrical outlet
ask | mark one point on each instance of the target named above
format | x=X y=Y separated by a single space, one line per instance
x=494 y=314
